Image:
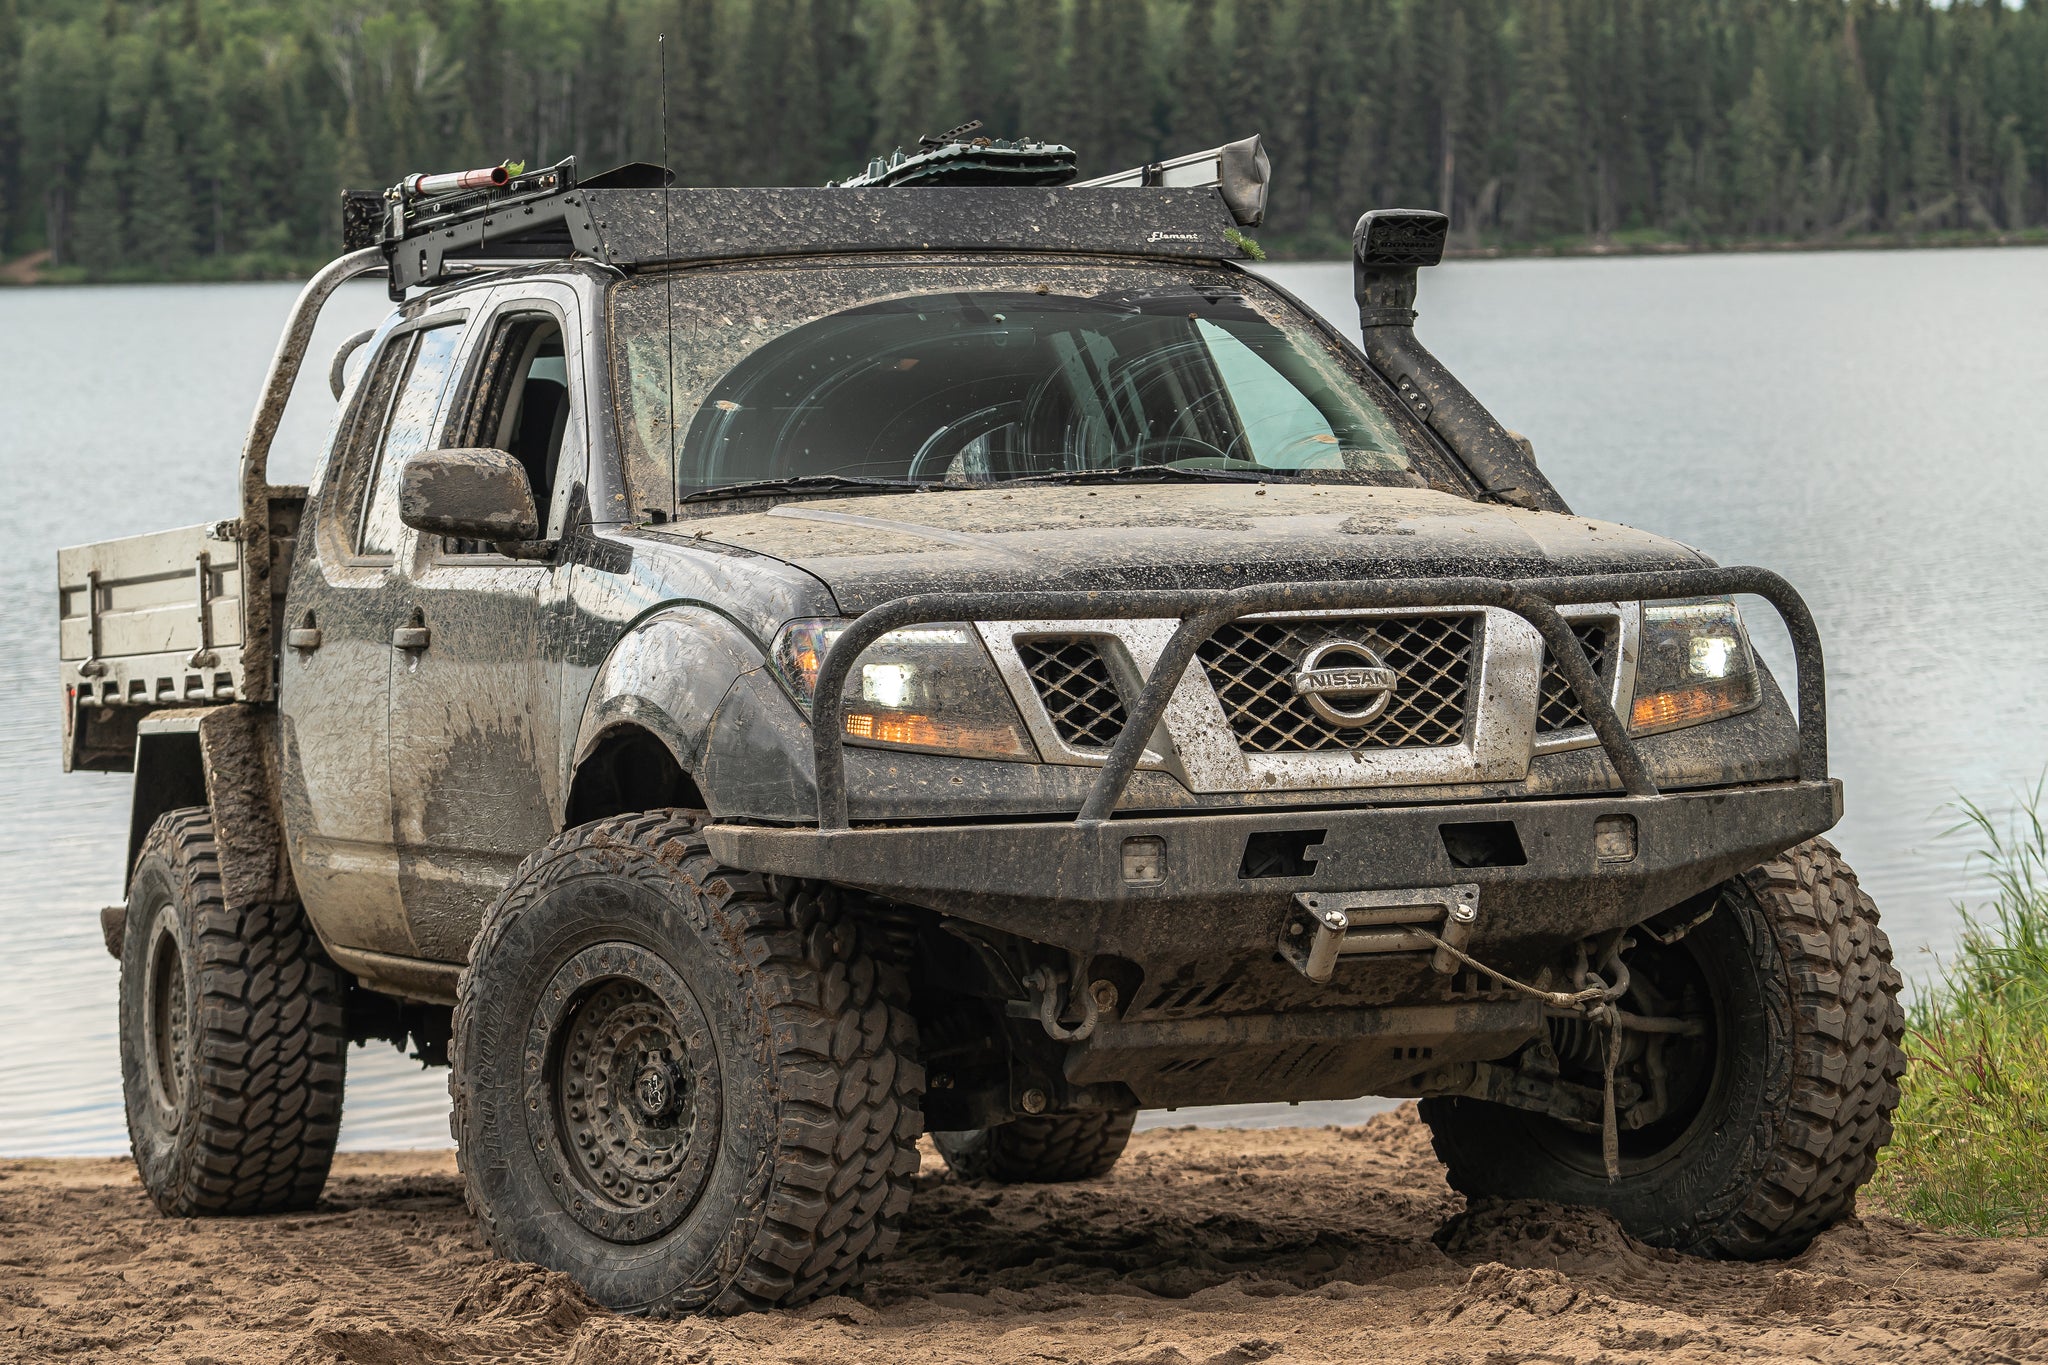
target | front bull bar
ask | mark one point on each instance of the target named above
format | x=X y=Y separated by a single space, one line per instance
x=1202 y=612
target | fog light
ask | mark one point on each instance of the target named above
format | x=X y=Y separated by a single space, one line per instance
x=1614 y=838
x=1144 y=861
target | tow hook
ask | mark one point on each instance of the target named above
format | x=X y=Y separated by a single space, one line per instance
x=1045 y=985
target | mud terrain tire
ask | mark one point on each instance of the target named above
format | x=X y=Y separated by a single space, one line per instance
x=687 y=1090
x=1806 y=1078
x=234 y=1041
x=1046 y=1149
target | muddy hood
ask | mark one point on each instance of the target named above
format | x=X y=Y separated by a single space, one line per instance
x=870 y=549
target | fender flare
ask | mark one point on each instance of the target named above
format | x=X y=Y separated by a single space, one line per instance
x=666 y=676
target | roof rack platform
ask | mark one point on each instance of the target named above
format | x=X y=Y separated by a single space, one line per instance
x=622 y=219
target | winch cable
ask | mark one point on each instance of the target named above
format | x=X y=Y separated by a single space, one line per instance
x=1597 y=1003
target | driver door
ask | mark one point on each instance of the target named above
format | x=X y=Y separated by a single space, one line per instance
x=475 y=710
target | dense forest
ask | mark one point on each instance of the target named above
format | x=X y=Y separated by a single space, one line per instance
x=212 y=136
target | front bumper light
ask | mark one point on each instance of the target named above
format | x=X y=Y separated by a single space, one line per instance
x=1695 y=665
x=928 y=688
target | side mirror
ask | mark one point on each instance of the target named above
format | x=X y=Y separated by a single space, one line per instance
x=476 y=494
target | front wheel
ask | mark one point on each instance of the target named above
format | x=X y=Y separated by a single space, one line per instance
x=1768 y=1118
x=684 y=1089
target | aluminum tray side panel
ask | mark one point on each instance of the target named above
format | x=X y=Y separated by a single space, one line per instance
x=152 y=620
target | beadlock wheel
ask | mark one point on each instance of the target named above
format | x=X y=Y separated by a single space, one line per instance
x=623 y=1092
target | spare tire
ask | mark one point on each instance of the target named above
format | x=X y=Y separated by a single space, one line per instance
x=1040 y=1149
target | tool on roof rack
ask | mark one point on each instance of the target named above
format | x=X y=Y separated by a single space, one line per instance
x=435 y=215
x=1240 y=169
x=956 y=157
x=489 y=178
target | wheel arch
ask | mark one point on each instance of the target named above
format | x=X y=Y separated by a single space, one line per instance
x=647 y=720
x=225 y=759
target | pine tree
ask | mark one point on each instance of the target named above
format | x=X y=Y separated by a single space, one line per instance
x=1125 y=101
x=1758 y=149
x=1545 y=198
x=2016 y=177
x=1040 y=91
x=1675 y=176
x=1197 y=87
x=1933 y=192
x=96 y=228
x=160 y=215
x=10 y=127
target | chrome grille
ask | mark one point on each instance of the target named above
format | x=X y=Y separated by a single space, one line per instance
x=1073 y=681
x=1559 y=710
x=1251 y=665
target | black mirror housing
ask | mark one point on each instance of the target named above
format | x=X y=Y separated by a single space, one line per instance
x=474 y=493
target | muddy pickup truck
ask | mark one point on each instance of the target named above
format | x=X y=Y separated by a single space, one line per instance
x=761 y=675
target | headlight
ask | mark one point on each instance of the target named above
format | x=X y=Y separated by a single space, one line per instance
x=1694 y=665
x=931 y=688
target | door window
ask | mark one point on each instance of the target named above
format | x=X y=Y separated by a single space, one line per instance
x=524 y=403
x=414 y=420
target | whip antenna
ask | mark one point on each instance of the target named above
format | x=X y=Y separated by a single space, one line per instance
x=668 y=286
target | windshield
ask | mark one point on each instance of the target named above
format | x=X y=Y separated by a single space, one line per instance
x=1208 y=373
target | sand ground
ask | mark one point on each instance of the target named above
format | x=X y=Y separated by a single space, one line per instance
x=1205 y=1247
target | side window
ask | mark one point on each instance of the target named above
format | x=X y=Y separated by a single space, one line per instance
x=410 y=429
x=523 y=403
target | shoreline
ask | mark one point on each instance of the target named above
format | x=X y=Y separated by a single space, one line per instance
x=26 y=272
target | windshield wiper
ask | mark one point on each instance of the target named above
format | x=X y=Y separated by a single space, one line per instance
x=1153 y=473
x=837 y=483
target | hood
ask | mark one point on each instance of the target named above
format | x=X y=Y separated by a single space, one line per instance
x=868 y=550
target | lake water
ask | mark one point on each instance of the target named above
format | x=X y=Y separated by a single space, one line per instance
x=1868 y=424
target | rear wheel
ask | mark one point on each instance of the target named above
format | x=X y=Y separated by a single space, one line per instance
x=233 y=1037
x=1042 y=1149
x=1769 y=1117
x=684 y=1088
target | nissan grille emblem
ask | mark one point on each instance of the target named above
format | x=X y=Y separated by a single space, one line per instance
x=1345 y=683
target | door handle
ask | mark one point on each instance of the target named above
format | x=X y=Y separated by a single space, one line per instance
x=303 y=637
x=413 y=636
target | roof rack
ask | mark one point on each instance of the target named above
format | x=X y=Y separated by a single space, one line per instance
x=430 y=227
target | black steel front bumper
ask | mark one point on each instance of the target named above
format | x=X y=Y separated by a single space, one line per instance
x=1069 y=883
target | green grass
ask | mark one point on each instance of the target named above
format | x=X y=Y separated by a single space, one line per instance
x=1971 y=1148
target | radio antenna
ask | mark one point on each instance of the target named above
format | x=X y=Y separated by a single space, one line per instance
x=668 y=286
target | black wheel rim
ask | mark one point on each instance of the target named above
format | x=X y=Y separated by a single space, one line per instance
x=164 y=1016
x=623 y=1103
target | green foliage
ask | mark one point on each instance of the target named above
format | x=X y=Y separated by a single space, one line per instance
x=1971 y=1149
x=224 y=129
